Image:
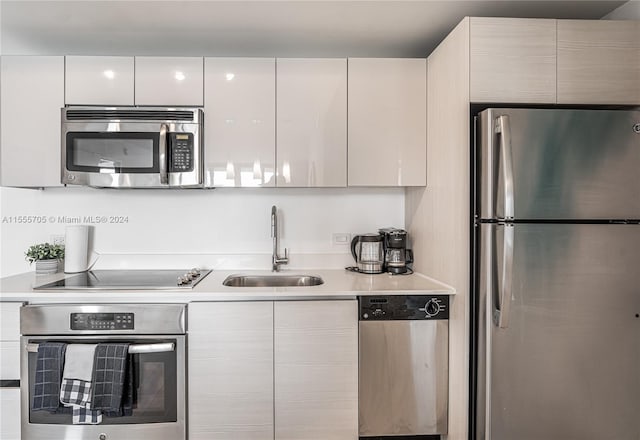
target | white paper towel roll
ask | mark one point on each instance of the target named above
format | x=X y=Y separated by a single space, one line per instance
x=76 y=249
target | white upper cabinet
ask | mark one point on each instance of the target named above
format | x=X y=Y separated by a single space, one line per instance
x=240 y=121
x=512 y=60
x=311 y=122
x=98 y=80
x=32 y=96
x=169 y=81
x=599 y=62
x=387 y=122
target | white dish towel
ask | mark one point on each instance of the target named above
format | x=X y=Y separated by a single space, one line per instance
x=75 y=390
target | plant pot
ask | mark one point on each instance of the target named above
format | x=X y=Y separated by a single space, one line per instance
x=46 y=267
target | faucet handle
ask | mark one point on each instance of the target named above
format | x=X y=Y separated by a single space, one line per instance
x=286 y=255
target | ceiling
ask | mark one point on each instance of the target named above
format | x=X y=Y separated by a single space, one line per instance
x=255 y=28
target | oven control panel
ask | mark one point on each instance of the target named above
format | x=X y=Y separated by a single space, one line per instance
x=102 y=321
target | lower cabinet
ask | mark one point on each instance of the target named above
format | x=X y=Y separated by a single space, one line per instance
x=9 y=371
x=273 y=370
x=230 y=366
x=316 y=370
x=10 y=413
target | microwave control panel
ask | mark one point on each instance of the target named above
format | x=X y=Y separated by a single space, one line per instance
x=181 y=156
x=102 y=321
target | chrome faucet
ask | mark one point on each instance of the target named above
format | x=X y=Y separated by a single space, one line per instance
x=276 y=260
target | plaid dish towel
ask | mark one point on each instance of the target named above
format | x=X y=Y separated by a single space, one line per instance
x=49 y=364
x=75 y=390
x=109 y=370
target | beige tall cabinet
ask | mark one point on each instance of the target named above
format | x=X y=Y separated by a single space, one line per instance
x=599 y=62
x=501 y=61
x=512 y=60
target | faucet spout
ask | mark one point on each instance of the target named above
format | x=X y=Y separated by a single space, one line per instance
x=276 y=260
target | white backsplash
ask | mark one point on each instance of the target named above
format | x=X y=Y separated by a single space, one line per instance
x=224 y=228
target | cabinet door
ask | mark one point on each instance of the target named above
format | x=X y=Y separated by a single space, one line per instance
x=10 y=413
x=231 y=370
x=240 y=121
x=169 y=81
x=316 y=370
x=32 y=96
x=598 y=62
x=98 y=80
x=387 y=122
x=512 y=60
x=10 y=341
x=311 y=122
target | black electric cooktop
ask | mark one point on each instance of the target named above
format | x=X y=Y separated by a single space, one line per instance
x=128 y=280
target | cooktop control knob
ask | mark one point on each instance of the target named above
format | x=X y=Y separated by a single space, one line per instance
x=195 y=273
x=184 y=280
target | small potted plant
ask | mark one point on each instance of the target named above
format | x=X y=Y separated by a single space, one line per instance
x=46 y=256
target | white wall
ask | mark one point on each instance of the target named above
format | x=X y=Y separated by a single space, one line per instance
x=195 y=222
x=628 y=11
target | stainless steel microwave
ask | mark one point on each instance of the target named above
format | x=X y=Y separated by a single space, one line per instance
x=132 y=147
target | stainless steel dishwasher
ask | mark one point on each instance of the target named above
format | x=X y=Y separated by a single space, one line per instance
x=403 y=365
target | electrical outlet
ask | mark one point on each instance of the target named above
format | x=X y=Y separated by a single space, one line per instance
x=341 y=238
x=57 y=239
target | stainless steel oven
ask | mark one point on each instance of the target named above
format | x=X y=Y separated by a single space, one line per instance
x=156 y=334
x=132 y=147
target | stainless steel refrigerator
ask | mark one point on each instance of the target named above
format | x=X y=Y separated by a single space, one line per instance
x=556 y=285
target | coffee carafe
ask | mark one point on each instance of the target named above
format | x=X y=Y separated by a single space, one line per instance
x=368 y=251
x=397 y=257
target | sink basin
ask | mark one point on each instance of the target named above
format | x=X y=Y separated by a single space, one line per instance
x=272 y=281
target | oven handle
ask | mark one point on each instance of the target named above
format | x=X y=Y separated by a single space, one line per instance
x=133 y=349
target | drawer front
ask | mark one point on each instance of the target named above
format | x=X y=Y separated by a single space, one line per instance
x=10 y=321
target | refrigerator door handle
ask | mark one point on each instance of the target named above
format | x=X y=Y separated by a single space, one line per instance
x=504 y=144
x=501 y=313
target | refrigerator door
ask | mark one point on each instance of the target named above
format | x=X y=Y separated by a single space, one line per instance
x=559 y=164
x=564 y=366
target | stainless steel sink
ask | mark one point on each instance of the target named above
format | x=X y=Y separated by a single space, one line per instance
x=272 y=281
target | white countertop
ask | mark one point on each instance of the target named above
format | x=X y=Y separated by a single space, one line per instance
x=337 y=284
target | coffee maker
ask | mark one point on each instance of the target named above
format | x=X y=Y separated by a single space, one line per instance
x=397 y=258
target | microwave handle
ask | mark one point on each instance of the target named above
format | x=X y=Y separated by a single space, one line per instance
x=164 y=160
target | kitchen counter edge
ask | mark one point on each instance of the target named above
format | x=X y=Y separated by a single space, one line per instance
x=338 y=284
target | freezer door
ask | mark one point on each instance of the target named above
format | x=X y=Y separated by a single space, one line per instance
x=558 y=164
x=564 y=365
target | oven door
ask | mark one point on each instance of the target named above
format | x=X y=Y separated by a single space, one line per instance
x=158 y=409
x=115 y=154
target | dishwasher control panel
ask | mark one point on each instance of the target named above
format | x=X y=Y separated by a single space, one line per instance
x=403 y=307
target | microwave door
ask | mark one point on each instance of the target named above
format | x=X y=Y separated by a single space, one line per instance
x=113 y=154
